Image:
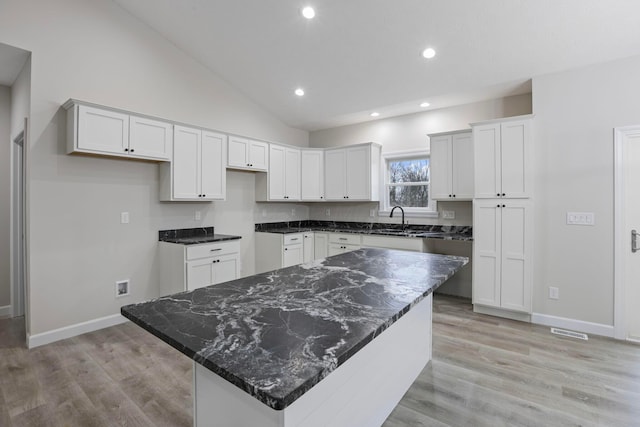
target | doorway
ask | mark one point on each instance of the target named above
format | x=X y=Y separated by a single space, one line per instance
x=18 y=252
x=627 y=225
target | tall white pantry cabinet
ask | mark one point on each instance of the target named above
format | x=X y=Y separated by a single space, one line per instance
x=503 y=217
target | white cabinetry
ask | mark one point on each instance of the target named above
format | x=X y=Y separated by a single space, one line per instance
x=308 y=243
x=352 y=174
x=451 y=166
x=103 y=131
x=320 y=245
x=188 y=267
x=312 y=175
x=502 y=250
x=247 y=154
x=282 y=181
x=275 y=250
x=340 y=243
x=197 y=171
x=502 y=158
x=390 y=242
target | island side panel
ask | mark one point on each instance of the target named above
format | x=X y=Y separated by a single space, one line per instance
x=362 y=391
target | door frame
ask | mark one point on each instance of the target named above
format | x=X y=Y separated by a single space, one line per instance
x=17 y=252
x=621 y=240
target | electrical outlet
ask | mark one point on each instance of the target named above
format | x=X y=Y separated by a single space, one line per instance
x=449 y=214
x=123 y=288
x=124 y=217
x=372 y=213
x=327 y=212
x=198 y=216
x=554 y=293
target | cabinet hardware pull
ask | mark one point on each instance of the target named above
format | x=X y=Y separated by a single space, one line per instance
x=497 y=206
x=342 y=238
x=215 y=250
x=454 y=195
x=294 y=239
x=132 y=150
x=634 y=241
x=286 y=249
x=498 y=194
x=504 y=206
x=503 y=194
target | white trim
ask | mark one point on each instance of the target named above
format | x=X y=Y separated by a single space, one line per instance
x=6 y=311
x=573 y=324
x=384 y=206
x=620 y=241
x=74 y=330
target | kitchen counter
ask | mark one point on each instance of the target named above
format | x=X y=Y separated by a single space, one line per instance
x=276 y=335
x=442 y=232
x=194 y=236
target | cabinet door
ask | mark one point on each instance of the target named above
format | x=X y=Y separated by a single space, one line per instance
x=237 y=152
x=258 y=155
x=151 y=139
x=276 y=172
x=335 y=174
x=516 y=159
x=308 y=247
x=515 y=291
x=103 y=131
x=440 y=164
x=292 y=255
x=312 y=175
x=335 y=249
x=320 y=245
x=358 y=170
x=200 y=273
x=213 y=177
x=186 y=163
x=487 y=235
x=226 y=268
x=292 y=174
x=486 y=154
x=462 y=181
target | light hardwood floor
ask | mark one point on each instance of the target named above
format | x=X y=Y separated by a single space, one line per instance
x=485 y=371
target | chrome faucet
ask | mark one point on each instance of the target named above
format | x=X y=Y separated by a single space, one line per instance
x=401 y=210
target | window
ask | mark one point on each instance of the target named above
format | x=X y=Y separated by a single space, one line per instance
x=406 y=183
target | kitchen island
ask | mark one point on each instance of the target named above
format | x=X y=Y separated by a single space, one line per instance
x=334 y=342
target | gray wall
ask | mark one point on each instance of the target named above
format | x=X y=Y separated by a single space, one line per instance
x=95 y=51
x=576 y=112
x=5 y=195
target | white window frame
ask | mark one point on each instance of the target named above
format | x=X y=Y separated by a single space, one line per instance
x=385 y=207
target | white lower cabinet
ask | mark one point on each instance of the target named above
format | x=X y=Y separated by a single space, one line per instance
x=308 y=247
x=340 y=243
x=188 y=267
x=320 y=245
x=502 y=251
x=275 y=250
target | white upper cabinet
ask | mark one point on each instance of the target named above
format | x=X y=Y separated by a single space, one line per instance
x=247 y=154
x=312 y=175
x=503 y=159
x=103 y=131
x=197 y=171
x=451 y=167
x=352 y=173
x=282 y=182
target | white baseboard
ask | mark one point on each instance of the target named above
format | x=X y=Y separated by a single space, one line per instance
x=6 y=311
x=74 y=330
x=573 y=324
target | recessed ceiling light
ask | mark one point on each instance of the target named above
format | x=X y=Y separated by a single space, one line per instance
x=308 y=12
x=374 y=114
x=429 y=53
x=299 y=92
x=425 y=104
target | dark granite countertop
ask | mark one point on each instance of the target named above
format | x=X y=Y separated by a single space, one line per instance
x=277 y=334
x=194 y=236
x=442 y=232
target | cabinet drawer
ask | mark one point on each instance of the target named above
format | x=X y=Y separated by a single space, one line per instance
x=292 y=239
x=344 y=238
x=212 y=249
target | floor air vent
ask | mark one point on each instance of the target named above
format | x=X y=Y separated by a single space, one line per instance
x=569 y=334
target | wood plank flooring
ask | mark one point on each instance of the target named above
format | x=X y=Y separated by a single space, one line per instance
x=486 y=371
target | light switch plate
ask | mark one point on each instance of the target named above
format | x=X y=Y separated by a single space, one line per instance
x=124 y=217
x=581 y=218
